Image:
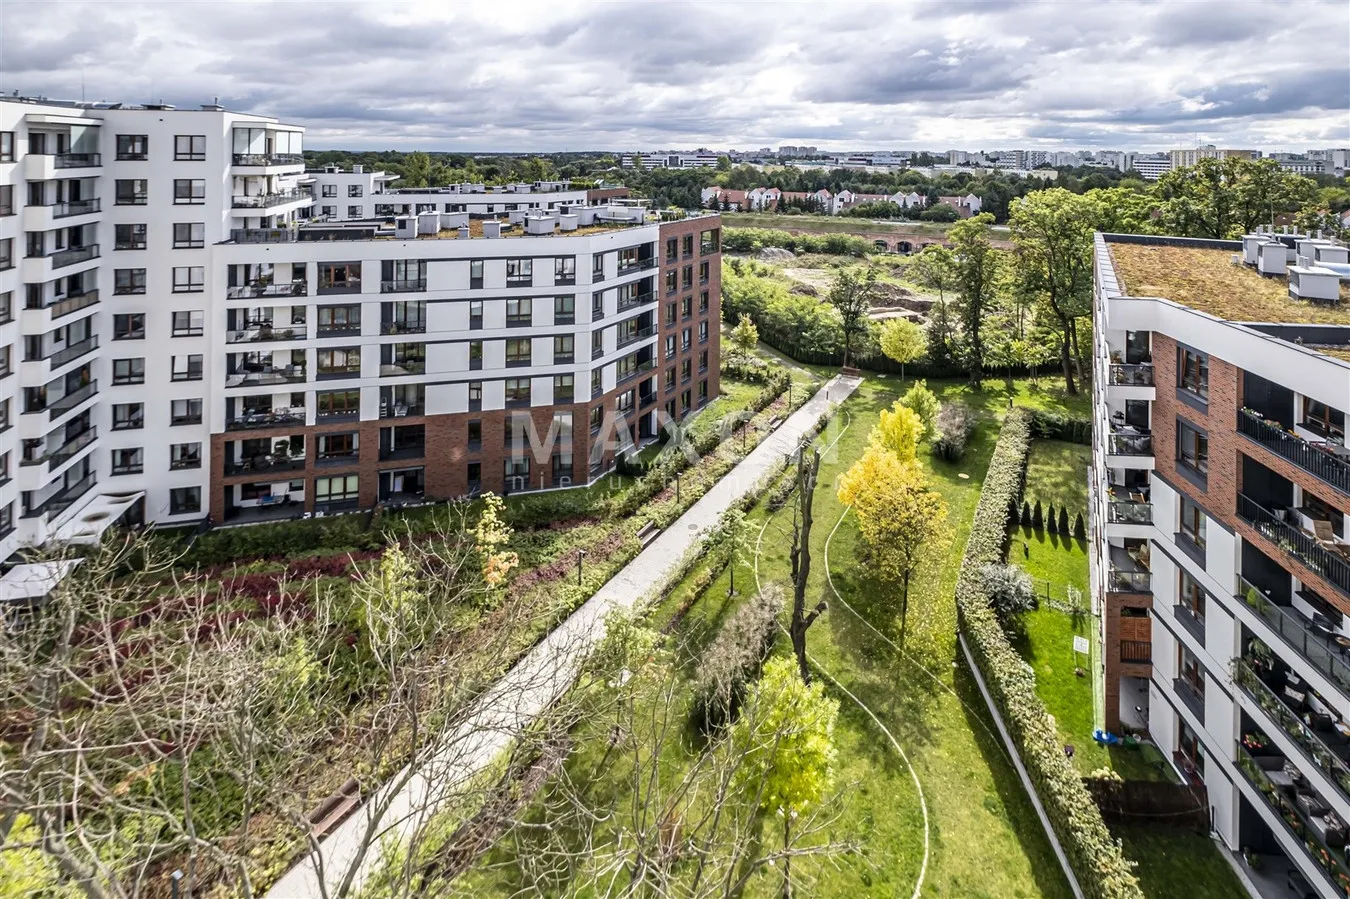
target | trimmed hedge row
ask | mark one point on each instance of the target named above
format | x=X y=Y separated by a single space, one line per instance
x=1059 y=426
x=1096 y=857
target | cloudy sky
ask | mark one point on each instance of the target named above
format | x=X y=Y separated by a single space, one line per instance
x=472 y=75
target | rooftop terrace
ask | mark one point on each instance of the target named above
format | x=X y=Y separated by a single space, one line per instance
x=1207 y=280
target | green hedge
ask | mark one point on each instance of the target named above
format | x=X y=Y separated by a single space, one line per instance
x=1096 y=857
x=748 y=240
x=1059 y=426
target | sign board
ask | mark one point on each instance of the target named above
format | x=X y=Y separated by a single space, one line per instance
x=1080 y=644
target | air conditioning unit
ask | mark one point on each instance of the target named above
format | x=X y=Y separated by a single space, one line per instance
x=1272 y=258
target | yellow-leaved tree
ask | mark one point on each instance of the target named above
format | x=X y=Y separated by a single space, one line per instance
x=490 y=536
x=899 y=431
x=900 y=516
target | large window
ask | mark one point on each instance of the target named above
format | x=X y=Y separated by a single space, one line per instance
x=335 y=403
x=564 y=348
x=189 y=147
x=130 y=192
x=189 y=235
x=564 y=310
x=563 y=388
x=128 y=416
x=1192 y=449
x=187 y=368
x=129 y=237
x=519 y=313
x=1193 y=372
x=1192 y=597
x=340 y=320
x=518 y=352
x=129 y=326
x=189 y=279
x=189 y=191
x=188 y=324
x=339 y=363
x=6 y=146
x=565 y=270
x=183 y=500
x=519 y=272
x=185 y=412
x=517 y=391
x=128 y=280
x=1193 y=522
x=1322 y=419
x=336 y=489
x=129 y=371
x=130 y=460
x=132 y=146
x=709 y=241
x=398 y=275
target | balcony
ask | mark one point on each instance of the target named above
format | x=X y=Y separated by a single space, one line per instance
x=77 y=207
x=265 y=159
x=259 y=464
x=263 y=235
x=1326 y=561
x=402 y=410
x=1136 y=652
x=403 y=327
x=1283 y=797
x=72 y=352
x=407 y=285
x=412 y=451
x=1126 y=440
x=1129 y=512
x=263 y=333
x=71 y=448
x=1126 y=573
x=641 y=299
x=77 y=160
x=636 y=265
x=253 y=420
x=1320 y=460
x=62 y=306
x=291 y=374
x=254 y=289
x=625 y=377
x=636 y=335
x=1193 y=697
x=63 y=258
x=267 y=201
x=1324 y=746
x=1131 y=375
x=1315 y=643
x=62 y=500
x=60 y=407
x=337 y=459
x=408 y=367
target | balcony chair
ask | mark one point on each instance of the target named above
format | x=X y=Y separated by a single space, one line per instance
x=1326 y=538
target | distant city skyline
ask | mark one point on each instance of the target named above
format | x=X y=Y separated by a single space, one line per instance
x=551 y=77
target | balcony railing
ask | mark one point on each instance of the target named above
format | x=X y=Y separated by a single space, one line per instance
x=1296 y=542
x=1314 y=646
x=351 y=285
x=1193 y=698
x=346 y=457
x=1288 y=720
x=635 y=336
x=72 y=447
x=264 y=201
x=62 y=258
x=636 y=370
x=290 y=375
x=77 y=160
x=1132 y=375
x=73 y=352
x=68 y=304
x=252 y=420
x=60 y=501
x=639 y=300
x=263 y=235
x=414 y=451
x=297 y=288
x=1129 y=581
x=403 y=327
x=269 y=159
x=405 y=285
x=1331 y=862
x=1321 y=463
x=1129 y=444
x=1129 y=512
x=263 y=334
x=403 y=410
x=75 y=207
x=636 y=265
x=1136 y=651
x=71 y=400
x=260 y=464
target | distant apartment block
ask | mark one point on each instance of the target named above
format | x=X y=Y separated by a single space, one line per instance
x=697 y=160
x=1189 y=157
x=200 y=328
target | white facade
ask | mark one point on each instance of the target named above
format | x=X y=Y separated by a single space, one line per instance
x=357 y=194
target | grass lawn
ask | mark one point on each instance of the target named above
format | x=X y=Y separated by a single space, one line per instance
x=1175 y=863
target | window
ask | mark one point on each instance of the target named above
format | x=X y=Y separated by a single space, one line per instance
x=130 y=326
x=128 y=461
x=687 y=242
x=596 y=382
x=564 y=310
x=475 y=435
x=687 y=277
x=189 y=191
x=130 y=192
x=189 y=279
x=476 y=273
x=185 y=455
x=474 y=472
x=564 y=348
x=339 y=277
x=703 y=332
x=670 y=379
x=128 y=237
x=687 y=338
x=597 y=344
x=687 y=307
x=128 y=280
x=1192 y=597
x=709 y=241
x=132 y=146
x=187 y=368
x=6 y=253
x=354 y=190
x=670 y=313
x=565 y=270
x=672 y=281
x=328 y=211
x=339 y=320
x=189 y=235
x=183 y=500
x=475 y=394
x=563 y=388
x=1323 y=419
x=187 y=324
x=399 y=275
x=1193 y=372
x=703 y=360
x=686 y=370
x=354 y=212
x=329 y=191
x=672 y=249
x=1192 y=449
x=129 y=371
x=670 y=346
x=6 y=199
x=403 y=359
x=517 y=391
x=702 y=392
x=6 y=146
x=337 y=403
x=1193 y=521
x=597 y=418
x=475 y=315
x=598 y=267
x=128 y=416
x=597 y=306
x=517 y=471
x=339 y=363
x=519 y=272
x=189 y=147
x=703 y=272
x=519 y=313
x=703 y=301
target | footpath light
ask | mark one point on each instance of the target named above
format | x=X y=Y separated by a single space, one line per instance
x=175 y=884
x=581 y=554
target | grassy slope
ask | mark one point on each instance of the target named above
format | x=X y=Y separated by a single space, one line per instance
x=826 y=223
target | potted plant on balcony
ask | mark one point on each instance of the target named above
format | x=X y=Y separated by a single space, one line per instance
x=1261 y=656
x=281 y=451
x=1255 y=741
x=1252 y=858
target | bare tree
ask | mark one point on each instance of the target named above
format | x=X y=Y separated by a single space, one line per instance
x=808 y=467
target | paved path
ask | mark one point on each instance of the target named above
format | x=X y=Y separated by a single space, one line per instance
x=543 y=674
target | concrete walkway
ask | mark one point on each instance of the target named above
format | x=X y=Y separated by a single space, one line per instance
x=408 y=801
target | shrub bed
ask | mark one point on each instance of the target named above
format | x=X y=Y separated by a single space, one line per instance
x=1096 y=857
x=1058 y=426
x=749 y=240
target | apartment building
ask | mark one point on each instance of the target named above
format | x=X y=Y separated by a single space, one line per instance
x=1189 y=157
x=193 y=338
x=1221 y=531
x=700 y=159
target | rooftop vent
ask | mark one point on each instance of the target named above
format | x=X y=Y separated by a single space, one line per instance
x=492 y=228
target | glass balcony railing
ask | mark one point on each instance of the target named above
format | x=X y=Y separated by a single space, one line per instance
x=265 y=201
x=71 y=448
x=1125 y=444
x=1129 y=512
x=63 y=405
x=77 y=160
x=297 y=288
x=250 y=420
x=1295 y=542
x=1316 y=646
x=269 y=159
x=1289 y=721
x=74 y=207
x=1132 y=375
x=72 y=352
x=1320 y=461
x=1129 y=581
x=62 y=258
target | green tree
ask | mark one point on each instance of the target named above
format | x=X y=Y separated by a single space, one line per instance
x=852 y=294
x=1225 y=198
x=1052 y=231
x=744 y=338
x=935 y=269
x=924 y=403
x=416 y=170
x=1123 y=210
x=725 y=541
x=977 y=270
x=899 y=431
x=786 y=737
x=903 y=341
x=724 y=163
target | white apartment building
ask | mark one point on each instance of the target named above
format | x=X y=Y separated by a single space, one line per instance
x=1220 y=558
x=1151 y=166
x=1188 y=157
x=664 y=160
x=194 y=339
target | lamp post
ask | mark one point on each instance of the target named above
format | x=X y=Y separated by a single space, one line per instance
x=175 y=884
x=581 y=554
x=677 y=487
